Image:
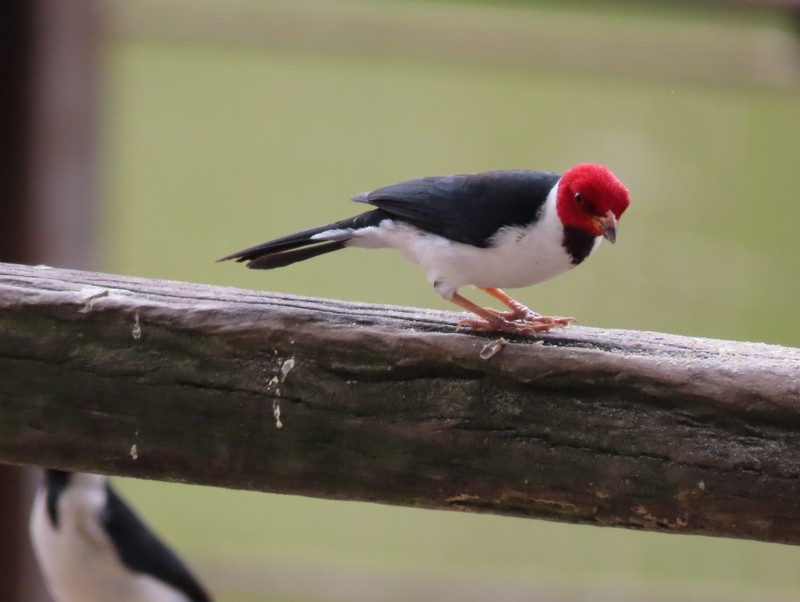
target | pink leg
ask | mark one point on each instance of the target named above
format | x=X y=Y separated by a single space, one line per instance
x=520 y=320
x=520 y=312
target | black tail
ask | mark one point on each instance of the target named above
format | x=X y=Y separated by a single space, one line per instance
x=295 y=247
x=278 y=260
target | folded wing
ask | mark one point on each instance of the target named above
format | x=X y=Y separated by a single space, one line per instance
x=467 y=208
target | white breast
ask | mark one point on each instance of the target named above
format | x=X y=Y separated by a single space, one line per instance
x=517 y=256
x=78 y=560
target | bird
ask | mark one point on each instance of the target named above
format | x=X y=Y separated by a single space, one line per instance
x=493 y=230
x=92 y=547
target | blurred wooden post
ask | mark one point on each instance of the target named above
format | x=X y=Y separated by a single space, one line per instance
x=48 y=66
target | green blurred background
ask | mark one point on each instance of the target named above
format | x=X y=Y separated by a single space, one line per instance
x=226 y=123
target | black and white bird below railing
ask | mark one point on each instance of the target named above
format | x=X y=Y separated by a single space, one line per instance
x=92 y=547
x=493 y=230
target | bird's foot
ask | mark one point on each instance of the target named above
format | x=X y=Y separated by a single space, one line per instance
x=530 y=325
x=548 y=321
x=518 y=312
x=521 y=313
x=519 y=320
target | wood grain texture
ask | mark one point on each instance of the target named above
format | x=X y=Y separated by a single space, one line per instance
x=178 y=381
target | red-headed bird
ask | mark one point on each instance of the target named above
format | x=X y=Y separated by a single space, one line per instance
x=493 y=230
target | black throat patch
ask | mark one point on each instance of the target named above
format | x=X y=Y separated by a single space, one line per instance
x=577 y=243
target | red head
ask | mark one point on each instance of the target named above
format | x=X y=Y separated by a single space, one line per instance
x=592 y=199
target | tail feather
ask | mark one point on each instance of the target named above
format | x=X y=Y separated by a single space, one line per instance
x=284 y=258
x=295 y=247
x=278 y=245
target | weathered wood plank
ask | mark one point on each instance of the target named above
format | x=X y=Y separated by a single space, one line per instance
x=179 y=381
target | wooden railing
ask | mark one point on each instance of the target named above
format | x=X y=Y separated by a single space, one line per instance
x=221 y=386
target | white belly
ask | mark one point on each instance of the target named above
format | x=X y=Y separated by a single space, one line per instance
x=519 y=260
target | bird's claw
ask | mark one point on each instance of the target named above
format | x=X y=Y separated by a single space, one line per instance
x=518 y=313
x=550 y=321
x=531 y=325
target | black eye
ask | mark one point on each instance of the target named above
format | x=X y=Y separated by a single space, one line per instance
x=579 y=198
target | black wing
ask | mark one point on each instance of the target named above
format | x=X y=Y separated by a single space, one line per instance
x=468 y=208
x=142 y=552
